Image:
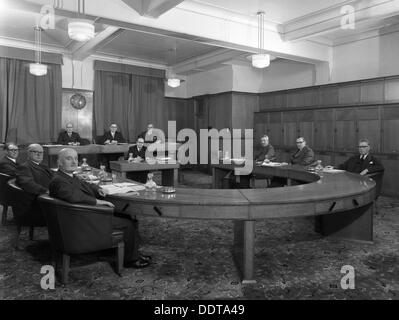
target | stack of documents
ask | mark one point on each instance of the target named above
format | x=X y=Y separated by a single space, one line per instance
x=274 y=164
x=124 y=187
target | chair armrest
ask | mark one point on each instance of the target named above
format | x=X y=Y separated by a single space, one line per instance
x=90 y=209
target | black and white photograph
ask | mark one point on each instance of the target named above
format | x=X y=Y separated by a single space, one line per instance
x=199 y=157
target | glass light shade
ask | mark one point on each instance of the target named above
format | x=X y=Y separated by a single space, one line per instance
x=38 y=69
x=81 y=30
x=260 y=60
x=173 y=82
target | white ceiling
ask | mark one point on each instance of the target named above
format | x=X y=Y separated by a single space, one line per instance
x=278 y=11
x=173 y=48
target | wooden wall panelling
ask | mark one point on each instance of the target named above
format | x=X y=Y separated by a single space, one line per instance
x=266 y=101
x=243 y=108
x=328 y=95
x=368 y=126
x=345 y=129
x=323 y=130
x=311 y=97
x=220 y=111
x=306 y=125
x=349 y=94
x=372 y=91
x=290 y=131
x=275 y=129
x=390 y=129
x=261 y=126
x=295 y=99
x=391 y=90
x=280 y=100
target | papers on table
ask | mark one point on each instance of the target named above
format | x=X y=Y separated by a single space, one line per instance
x=124 y=187
x=52 y=145
x=328 y=170
x=274 y=164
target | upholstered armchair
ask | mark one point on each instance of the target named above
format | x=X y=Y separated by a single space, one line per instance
x=32 y=217
x=3 y=196
x=77 y=229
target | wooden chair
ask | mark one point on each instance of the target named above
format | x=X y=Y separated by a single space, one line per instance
x=78 y=229
x=3 y=196
x=32 y=217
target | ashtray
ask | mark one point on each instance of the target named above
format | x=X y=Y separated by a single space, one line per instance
x=168 y=190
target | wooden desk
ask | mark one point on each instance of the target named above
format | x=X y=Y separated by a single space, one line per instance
x=51 y=151
x=344 y=202
x=169 y=171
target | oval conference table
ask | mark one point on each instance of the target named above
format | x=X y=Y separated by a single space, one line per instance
x=341 y=202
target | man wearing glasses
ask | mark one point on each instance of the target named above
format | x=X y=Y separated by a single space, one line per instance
x=9 y=164
x=33 y=177
x=69 y=137
x=363 y=163
x=304 y=156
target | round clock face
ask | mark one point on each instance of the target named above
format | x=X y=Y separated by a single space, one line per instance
x=78 y=101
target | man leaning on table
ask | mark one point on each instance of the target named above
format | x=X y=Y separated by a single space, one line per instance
x=67 y=187
x=304 y=155
x=267 y=151
x=69 y=137
x=113 y=136
x=362 y=163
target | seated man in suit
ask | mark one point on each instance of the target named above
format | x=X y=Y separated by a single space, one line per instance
x=267 y=151
x=9 y=164
x=148 y=135
x=304 y=156
x=113 y=136
x=138 y=154
x=67 y=187
x=34 y=178
x=69 y=137
x=363 y=163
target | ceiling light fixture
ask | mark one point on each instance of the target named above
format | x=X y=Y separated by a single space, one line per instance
x=173 y=81
x=262 y=59
x=37 y=68
x=81 y=30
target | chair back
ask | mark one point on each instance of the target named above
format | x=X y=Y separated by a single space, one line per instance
x=25 y=209
x=77 y=228
x=3 y=188
x=378 y=178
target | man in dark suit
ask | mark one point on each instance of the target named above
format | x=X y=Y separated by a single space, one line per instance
x=9 y=164
x=149 y=135
x=304 y=155
x=267 y=151
x=363 y=163
x=69 y=137
x=34 y=178
x=67 y=187
x=113 y=136
x=137 y=152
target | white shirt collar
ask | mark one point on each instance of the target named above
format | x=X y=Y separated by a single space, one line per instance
x=68 y=174
x=13 y=160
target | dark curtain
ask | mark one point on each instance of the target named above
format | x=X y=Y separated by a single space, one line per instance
x=130 y=101
x=33 y=104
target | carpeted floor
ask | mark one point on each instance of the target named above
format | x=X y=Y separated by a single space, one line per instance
x=192 y=260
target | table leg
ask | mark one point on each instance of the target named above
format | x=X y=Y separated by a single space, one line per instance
x=243 y=249
x=217 y=178
x=355 y=224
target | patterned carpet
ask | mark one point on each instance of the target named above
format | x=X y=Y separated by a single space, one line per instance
x=192 y=260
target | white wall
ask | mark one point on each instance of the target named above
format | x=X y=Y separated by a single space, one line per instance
x=78 y=74
x=369 y=58
x=247 y=78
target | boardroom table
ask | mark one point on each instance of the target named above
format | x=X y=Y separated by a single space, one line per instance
x=169 y=171
x=342 y=202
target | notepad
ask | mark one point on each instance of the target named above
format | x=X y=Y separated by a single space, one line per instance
x=124 y=187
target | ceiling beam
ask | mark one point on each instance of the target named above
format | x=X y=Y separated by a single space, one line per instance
x=212 y=58
x=81 y=51
x=152 y=8
x=337 y=18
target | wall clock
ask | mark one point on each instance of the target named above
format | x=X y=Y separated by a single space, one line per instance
x=78 y=101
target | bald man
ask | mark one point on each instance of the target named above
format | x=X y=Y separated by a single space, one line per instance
x=67 y=187
x=33 y=177
x=69 y=137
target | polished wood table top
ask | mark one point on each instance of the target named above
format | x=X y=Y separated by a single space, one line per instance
x=329 y=193
x=88 y=149
x=126 y=166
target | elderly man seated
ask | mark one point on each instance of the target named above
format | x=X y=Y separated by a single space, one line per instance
x=67 y=187
x=9 y=164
